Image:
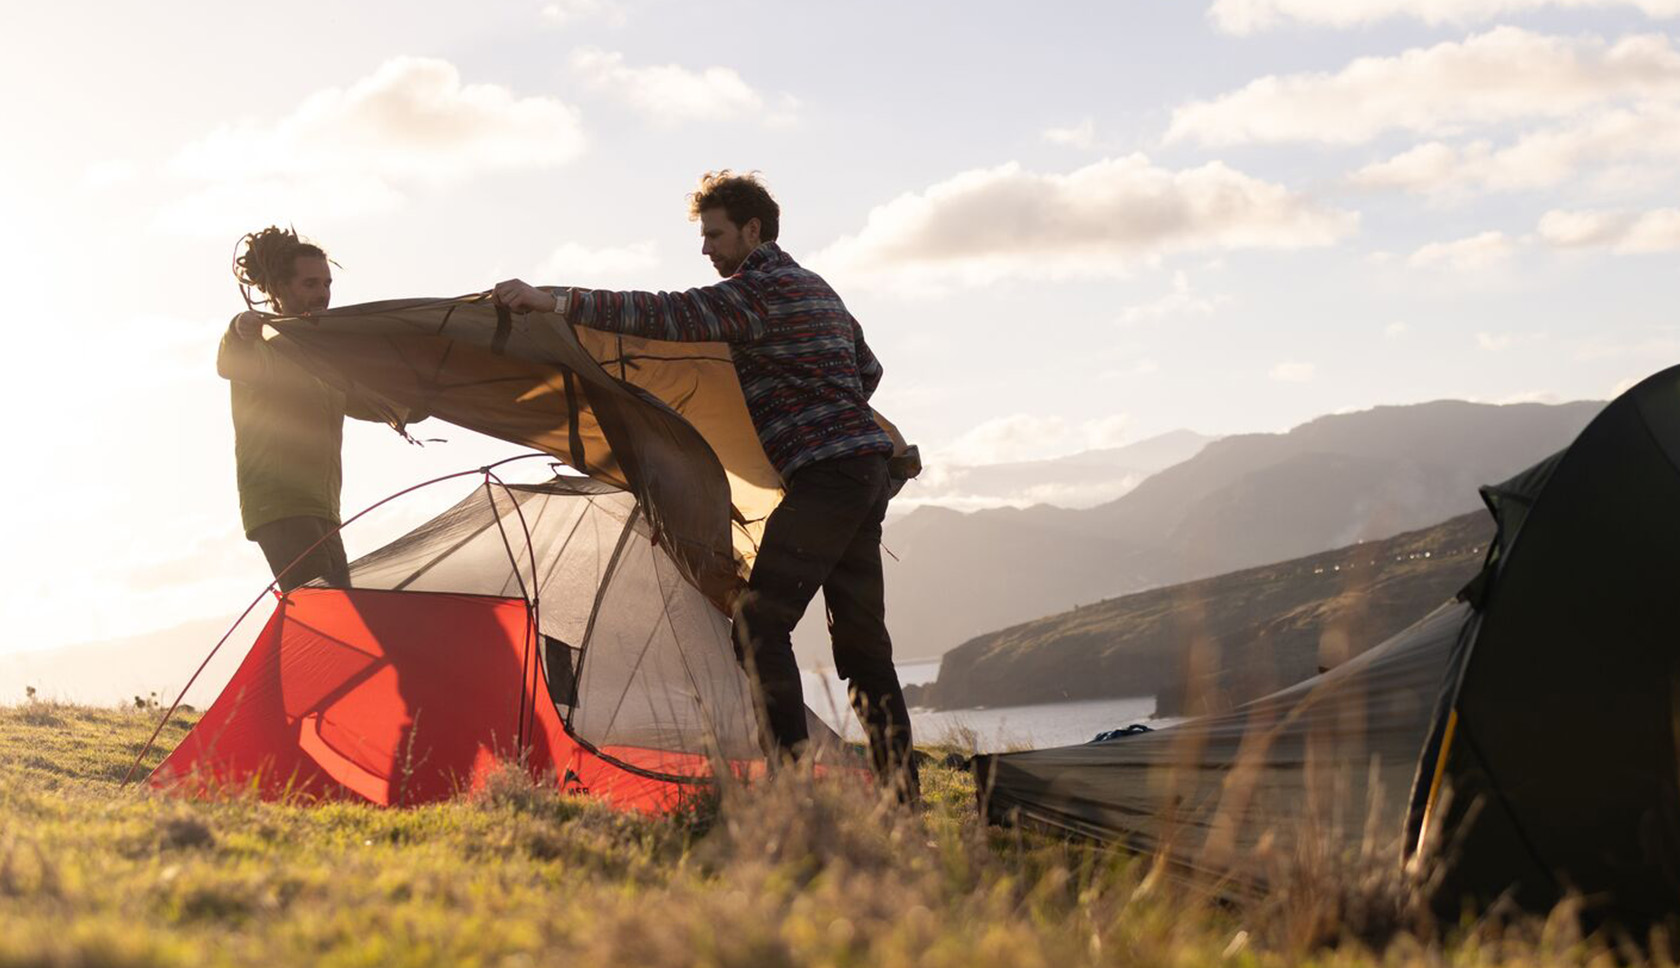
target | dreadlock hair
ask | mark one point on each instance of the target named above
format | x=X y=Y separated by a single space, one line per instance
x=269 y=260
x=742 y=197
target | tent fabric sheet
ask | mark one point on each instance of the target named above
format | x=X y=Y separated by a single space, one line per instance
x=664 y=420
x=528 y=380
x=1321 y=759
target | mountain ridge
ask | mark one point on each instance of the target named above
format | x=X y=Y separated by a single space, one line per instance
x=1240 y=501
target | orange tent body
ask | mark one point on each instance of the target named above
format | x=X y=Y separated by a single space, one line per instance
x=540 y=625
x=402 y=698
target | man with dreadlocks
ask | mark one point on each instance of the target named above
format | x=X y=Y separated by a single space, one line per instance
x=288 y=426
x=807 y=376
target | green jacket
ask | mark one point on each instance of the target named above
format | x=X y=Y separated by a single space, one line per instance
x=288 y=430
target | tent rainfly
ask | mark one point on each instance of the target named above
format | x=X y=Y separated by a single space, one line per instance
x=663 y=420
x=1521 y=741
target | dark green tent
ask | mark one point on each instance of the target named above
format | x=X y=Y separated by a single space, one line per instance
x=1521 y=741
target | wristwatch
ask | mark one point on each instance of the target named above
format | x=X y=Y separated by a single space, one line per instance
x=562 y=299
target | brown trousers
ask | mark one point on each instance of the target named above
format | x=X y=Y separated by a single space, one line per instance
x=826 y=534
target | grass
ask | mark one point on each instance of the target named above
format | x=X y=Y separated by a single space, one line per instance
x=795 y=871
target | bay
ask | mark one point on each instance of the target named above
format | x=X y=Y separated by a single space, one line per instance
x=985 y=729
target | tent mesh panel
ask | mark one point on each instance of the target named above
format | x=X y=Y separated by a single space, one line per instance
x=652 y=660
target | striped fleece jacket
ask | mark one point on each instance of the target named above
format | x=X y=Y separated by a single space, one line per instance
x=804 y=368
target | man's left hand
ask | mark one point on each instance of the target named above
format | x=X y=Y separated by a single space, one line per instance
x=248 y=325
x=521 y=297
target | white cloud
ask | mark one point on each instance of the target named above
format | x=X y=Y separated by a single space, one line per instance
x=353 y=150
x=1573 y=230
x=1421 y=168
x=410 y=119
x=1081 y=135
x=1528 y=396
x=1250 y=16
x=1622 y=232
x=1470 y=254
x=957 y=493
x=1648 y=132
x=670 y=94
x=581 y=265
x=988 y=224
x=1025 y=437
x=564 y=12
x=1655 y=231
x=1006 y=439
x=1395 y=330
x=1506 y=74
x=1181 y=301
x=1293 y=372
x=1110 y=431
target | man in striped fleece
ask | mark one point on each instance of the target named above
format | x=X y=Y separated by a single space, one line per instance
x=807 y=376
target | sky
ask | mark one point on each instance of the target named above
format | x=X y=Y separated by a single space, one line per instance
x=1063 y=226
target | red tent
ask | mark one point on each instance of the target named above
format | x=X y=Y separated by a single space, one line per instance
x=541 y=624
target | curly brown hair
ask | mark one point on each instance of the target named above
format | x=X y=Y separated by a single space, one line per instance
x=742 y=197
x=269 y=260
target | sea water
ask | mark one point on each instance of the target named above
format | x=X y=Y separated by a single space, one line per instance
x=986 y=729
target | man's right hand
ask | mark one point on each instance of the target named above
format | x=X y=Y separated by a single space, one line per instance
x=522 y=297
x=248 y=325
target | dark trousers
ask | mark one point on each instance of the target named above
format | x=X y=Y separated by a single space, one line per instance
x=283 y=540
x=826 y=534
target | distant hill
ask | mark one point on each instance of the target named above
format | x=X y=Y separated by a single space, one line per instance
x=119 y=670
x=1081 y=480
x=1240 y=501
x=1218 y=641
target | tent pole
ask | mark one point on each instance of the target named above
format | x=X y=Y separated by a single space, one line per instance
x=533 y=603
x=530 y=600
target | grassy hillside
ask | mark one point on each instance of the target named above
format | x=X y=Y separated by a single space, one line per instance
x=1222 y=640
x=795 y=872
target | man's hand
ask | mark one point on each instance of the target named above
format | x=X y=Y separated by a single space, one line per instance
x=521 y=297
x=248 y=325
